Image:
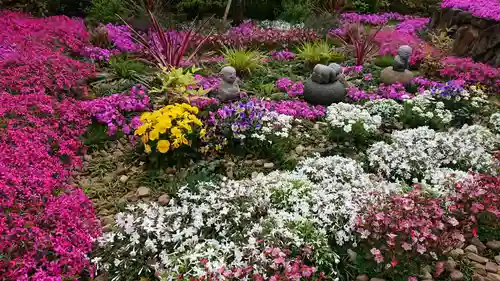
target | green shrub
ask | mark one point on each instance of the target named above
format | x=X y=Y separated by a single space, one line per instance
x=107 y=11
x=384 y=61
x=318 y=52
x=243 y=60
x=47 y=7
x=322 y=23
x=295 y=11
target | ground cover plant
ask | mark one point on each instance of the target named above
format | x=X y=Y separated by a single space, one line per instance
x=120 y=161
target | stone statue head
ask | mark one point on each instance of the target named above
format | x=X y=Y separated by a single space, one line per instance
x=404 y=52
x=337 y=70
x=322 y=74
x=228 y=74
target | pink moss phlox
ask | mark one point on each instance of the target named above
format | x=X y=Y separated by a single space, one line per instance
x=34 y=53
x=121 y=37
x=47 y=226
x=373 y=19
x=470 y=71
x=489 y=9
x=282 y=55
x=395 y=91
x=293 y=89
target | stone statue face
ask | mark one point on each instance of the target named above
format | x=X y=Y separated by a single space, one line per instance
x=405 y=52
x=321 y=74
x=228 y=74
x=336 y=68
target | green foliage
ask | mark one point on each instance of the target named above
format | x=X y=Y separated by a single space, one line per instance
x=365 y=6
x=322 y=23
x=176 y=84
x=125 y=68
x=424 y=7
x=47 y=7
x=318 y=52
x=243 y=60
x=295 y=11
x=384 y=61
x=106 y=11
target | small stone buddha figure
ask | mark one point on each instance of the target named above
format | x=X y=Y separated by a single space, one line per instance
x=229 y=88
x=325 y=85
x=398 y=72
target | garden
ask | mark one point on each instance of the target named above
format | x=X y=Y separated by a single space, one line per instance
x=250 y=140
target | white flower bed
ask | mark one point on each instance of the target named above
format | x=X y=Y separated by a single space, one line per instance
x=345 y=116
x=230 y=223
x=388 y=109
x=415 y=151
x=274 y=125
x=427 y=110
x=495 y=121
x=441 y=181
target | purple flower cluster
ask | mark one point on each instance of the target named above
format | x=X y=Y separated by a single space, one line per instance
x=424 y=83
x=292 y=89
x=295 y=108
x=411 y=26
x=113 y=110
x=203 y=102
x=451 y=88
x=210 y=82
x=489 y=9
x=97 y=53
x=374 y=19
x=121 y=37
x=396 y=92
x=282 y=55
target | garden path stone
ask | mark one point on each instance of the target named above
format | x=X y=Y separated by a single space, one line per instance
x=493 y=277
x=457 y=276
x=497 y=259
x=491 y=267
x=123 y=178
x=457 y=252
x=479 y=245
x=477 y=277
x=477 y=258
x=164 y=200
x=494 y=245
x=269 y=165
x=471 y=249
x=377 y=279
x=363 y=277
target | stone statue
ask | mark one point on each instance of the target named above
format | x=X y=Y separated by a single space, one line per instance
x=325 y=86
x=229 y=88
x=398 y=72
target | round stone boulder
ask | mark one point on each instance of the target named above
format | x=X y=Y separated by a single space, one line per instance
x=324 y=94
x=388 y=76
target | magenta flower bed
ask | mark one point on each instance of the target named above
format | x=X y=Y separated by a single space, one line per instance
x=470 y=71
x=47 y=226
x=373 y=19
x=489 y=9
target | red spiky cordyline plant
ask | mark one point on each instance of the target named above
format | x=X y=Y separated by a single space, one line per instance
x=171 y=47
x=362 y=41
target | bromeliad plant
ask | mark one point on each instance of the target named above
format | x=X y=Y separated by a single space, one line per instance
x=179 y=84
x=168 y=49
x=357 y=37
x=168 y=128
x=243 y=60
x=318 y=52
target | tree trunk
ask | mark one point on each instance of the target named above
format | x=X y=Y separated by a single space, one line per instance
x=228 y=6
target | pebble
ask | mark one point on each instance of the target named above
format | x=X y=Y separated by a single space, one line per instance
x=477 y=258
x=269 y=165
x=493 y=277
x=497 y=259
x=425 y=275
x=87 y=157
x=363 y=277
x=352 y=255
x=143 y=192
x=102 y=277
x=123 y=178
x=254 y=175
x=299 y=149
x=164 y=200
x=258 y=162
x=494 y=245
x=477 y=277
x=316 y=126
x=471 y=249
x=248 y=162
x=229 y=172
x=457 y=253
x=456 y=276
x=450 y=265
x=491 y=267
x=377 y=279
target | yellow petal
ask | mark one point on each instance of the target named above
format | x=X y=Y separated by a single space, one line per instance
x=163 y=146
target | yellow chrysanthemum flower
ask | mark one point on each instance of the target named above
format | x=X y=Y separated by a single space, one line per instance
x=141 y=130
x=163 y=146
x=176 y=132
x=145 y=116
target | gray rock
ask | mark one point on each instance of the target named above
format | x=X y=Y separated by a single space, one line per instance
x=164 y=200
x=324 y=94
x=143 y=192
x=491 y=267
x=494 y=245
x=389 y=76
x=471 y=249
x=402 y=60
x=456 y=276
x=323 y=74
x=497 y=259
x=477 y=258
x=87 y=157
x=363 y=277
